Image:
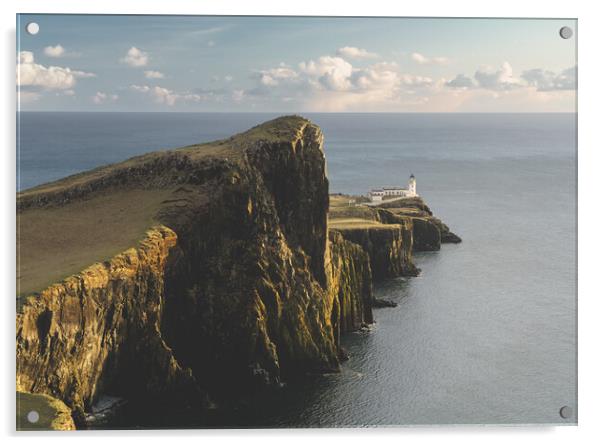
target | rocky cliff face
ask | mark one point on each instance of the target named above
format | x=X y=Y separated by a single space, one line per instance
x=236 y=285
x=100 y=329
x=350 y=285
x=389 y=247
x=429 y=232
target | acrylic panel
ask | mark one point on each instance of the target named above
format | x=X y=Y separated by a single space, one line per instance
x=284 y=222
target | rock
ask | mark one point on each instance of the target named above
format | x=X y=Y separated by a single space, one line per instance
x=427 y=236
x=350 y=285
x=389 y=247
x=380 y=302
x=234 y=274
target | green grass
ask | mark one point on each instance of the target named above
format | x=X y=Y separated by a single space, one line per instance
x=357 y=223
x=58 y=241
x=55 y=241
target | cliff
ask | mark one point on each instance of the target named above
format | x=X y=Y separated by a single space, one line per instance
x=428 y=231
x=186 y=275
x=389 y=246
x=350 y=284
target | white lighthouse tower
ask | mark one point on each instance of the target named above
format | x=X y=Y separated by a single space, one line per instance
x=412 y=186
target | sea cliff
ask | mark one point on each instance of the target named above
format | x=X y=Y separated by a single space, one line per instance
x=190 y=276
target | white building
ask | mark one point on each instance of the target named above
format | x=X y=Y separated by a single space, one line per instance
x=385 y=193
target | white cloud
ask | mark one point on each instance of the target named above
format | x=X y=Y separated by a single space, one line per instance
x=332 y=83
x=228 y=78
x=153 y=74
x=210 y=43
x=135 y=57
x=140 y=88
x=166 y=96
x=54 y=51
x=101 y=98
x=502 y=79
x=274 y=76
x=544 y=80
x=333 y=73
x=351 y=52
x=32 y=74
x=424 y=60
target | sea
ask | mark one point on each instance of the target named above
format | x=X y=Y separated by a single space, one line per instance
x=485 y=335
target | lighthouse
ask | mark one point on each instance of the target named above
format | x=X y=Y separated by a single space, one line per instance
x=412 y=186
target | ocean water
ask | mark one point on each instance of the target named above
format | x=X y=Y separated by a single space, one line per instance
x=486 y=334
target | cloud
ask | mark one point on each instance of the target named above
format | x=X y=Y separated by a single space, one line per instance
x=31 y=74
x=54 y=51
x=332 y=83
x=210 y=43
x=351 y=52
x=100 y=98
x=333 y=73
x=502 y=79
x=228 y=78
x=274 y=76
x=166 y=96
x=424 y=60
x=461 y=81
x=135 y=57
x=153 y=74
x=544 y=80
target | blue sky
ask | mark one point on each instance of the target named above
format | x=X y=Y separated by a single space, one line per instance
x=294 y=64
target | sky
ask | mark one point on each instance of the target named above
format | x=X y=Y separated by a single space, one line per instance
x=294 y=64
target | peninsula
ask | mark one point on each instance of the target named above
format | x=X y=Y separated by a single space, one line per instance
x=189 y=277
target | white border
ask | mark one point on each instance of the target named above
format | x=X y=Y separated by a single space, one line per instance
x=590 y=295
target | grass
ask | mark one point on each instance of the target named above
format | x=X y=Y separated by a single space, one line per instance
x=58 y=241
x=55 y=241
x=357 y=223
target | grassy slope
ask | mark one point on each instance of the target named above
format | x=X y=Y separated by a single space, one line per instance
x=55 y=241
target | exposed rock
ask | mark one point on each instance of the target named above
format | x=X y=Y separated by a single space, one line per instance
x=429 y=232
x=350 y=284
x=234 y=286
x=100 y=330
x=388 y=245
x=238 y=283
x=380 y=302
x=427 y=236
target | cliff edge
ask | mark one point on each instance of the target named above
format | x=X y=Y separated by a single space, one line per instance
x=186 y=275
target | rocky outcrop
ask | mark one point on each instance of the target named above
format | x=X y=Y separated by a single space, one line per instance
x=100 y=331
x=429 y=232
x=427 y=236
x=389 y=247
x=235 y=285
x=350 y=283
